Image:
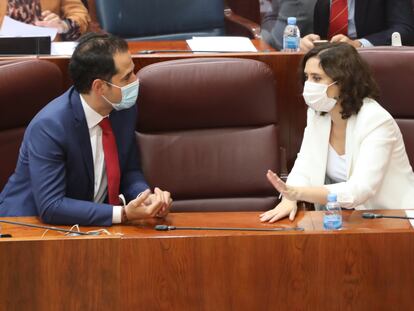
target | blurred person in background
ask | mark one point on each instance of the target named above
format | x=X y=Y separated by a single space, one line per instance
x=69 y=17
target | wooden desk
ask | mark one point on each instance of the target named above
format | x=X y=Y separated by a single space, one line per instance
x=365 y=266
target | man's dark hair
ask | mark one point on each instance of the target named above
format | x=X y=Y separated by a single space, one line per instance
x=342 y=63
x=93 y=59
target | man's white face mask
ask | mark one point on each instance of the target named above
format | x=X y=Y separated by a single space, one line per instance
x=316 y=97
x=129 y=95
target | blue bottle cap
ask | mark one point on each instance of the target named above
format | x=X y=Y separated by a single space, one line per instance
x=332 y=197
x=291 y=20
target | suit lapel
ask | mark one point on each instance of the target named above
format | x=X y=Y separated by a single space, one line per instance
x=325 y=146
x=82 y=134
x=349 y=144
x=320 y=149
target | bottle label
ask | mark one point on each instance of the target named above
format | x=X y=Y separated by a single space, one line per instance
x=332 y=222
x=292 y=43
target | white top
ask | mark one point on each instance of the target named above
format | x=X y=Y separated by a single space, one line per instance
x=336 y=166
x=101 y=182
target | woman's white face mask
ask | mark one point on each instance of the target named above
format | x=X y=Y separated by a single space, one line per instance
x=316 y=97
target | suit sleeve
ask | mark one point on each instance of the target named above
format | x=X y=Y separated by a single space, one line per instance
x=47 y=166
x=371 y=165
x=399 y=18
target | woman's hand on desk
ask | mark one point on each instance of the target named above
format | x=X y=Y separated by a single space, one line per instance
x=287 y=207
x=283 y=209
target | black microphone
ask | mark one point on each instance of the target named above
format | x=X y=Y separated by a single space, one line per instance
x=372 y=216
x=46 y=227
x=169 y=228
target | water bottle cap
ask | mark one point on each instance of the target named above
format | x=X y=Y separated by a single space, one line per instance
x=291 y=20
x=332 y=197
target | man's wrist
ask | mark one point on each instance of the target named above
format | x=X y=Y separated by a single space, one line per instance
x=124 y=216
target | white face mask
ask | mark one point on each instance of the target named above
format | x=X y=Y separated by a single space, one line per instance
x=129 y=95
x=316 y=97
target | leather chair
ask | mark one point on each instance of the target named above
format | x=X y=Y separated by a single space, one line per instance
x=393 y=69
x=208 y=132
x=25 y=87
x=168 y=20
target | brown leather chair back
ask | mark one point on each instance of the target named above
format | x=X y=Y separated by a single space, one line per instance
x=393 y=69
x=208 y=132
x=25 y=87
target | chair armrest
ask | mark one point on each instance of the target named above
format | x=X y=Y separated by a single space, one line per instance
x=252 y=27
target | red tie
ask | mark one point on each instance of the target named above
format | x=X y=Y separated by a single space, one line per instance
x=111 y=161
x=338 y=22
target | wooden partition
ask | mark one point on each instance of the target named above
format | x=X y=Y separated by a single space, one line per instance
x=365 y=266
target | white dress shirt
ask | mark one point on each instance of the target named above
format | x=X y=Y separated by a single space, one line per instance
x=100 y=180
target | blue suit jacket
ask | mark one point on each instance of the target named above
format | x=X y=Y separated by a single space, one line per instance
x=375 y=20
x=54 y=177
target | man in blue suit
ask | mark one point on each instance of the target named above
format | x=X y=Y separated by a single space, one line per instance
x=71 y=167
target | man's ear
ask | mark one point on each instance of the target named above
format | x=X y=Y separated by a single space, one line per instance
x=99 y=86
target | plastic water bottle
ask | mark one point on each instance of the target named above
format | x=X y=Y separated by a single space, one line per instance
x=291 y=36
x=332 y=219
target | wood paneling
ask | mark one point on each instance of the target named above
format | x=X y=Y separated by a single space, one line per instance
x=59 y=274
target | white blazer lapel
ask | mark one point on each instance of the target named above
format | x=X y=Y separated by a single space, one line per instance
x=320 y=149
x=349 y=144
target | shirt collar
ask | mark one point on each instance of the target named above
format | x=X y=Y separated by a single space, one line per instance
x=92 y=117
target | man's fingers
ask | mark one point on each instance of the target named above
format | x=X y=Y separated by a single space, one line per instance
x=155 y=207
x=160 y=195
x=313 y=37
x=140 y=199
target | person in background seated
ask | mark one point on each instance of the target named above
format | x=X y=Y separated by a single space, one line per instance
x=361 y=23
x=69 y=17
x=79 y=153
x=351 y=145
x=274 y=23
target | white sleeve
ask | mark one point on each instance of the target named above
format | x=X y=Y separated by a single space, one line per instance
x=370 y=166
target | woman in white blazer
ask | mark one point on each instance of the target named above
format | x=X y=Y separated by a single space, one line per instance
x=351 y=145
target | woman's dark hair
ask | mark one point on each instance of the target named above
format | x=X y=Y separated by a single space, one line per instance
x=93 y=59
x=342 y=63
